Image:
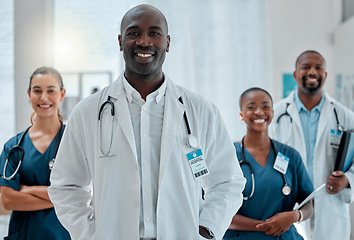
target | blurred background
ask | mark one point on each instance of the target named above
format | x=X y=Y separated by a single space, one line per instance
x=218 y=49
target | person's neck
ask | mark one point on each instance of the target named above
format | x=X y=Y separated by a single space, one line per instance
x=145 y=84
x=310 y=101
x=257 y=140
x=46 y=125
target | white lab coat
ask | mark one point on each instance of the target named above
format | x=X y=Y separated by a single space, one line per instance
x=331 y=212
x=115 y=180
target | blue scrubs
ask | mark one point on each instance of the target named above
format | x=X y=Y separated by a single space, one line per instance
x=34 y=170
x=268 y=198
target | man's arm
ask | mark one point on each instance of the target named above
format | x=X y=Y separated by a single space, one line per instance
x=345 y=180
x=225 y=182
x=69 y=180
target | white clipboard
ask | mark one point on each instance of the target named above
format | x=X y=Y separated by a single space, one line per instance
x=309 y=197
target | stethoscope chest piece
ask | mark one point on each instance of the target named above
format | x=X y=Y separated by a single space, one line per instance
x=192 y=141
x=340 y=128
x=286 y=190
x=51 y=164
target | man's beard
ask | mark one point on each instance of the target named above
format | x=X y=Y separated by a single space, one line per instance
x=312 y=90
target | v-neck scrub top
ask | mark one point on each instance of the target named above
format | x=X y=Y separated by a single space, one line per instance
x=268 y=199
x=34 y=170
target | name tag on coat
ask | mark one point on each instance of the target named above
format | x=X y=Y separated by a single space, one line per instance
x=197 y=163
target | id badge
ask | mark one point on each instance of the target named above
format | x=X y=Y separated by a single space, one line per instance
x=334 y=138
x=281 y=163
x=197 y=163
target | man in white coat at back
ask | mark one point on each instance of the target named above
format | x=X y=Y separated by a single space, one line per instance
x=147 y=147
x=308 y=120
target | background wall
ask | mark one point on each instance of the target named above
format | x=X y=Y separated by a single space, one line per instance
x=296 y=26
x=344 y=63
x=7 y=99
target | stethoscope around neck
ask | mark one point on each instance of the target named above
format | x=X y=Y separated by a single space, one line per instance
x=19 y=148
x=191 y=142
x=286 y=189
x=340 y=128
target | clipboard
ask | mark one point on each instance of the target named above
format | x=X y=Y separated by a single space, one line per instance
x=345 y=152
x=309 y=197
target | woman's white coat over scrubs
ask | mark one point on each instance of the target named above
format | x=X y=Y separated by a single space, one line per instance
x=115 y=208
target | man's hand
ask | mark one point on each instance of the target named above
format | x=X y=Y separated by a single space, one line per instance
x=337 y=182
x=204 y=232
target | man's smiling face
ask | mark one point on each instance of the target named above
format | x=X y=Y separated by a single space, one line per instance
x=144 y=41
x=310 y=73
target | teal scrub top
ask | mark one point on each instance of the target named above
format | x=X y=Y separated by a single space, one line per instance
x=268 y=198
x=34 y=170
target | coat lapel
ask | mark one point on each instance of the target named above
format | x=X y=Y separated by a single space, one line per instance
x=298 y=138
x=122 y=114
x=294 y=113
x=326 y=113
x=173 y=115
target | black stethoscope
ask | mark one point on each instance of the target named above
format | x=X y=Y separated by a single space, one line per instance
x=286 y=189
x=286 y=113
x=191 y=142
x=109 y=102
x=111 y=106
x=19 y=148
x=340 y=128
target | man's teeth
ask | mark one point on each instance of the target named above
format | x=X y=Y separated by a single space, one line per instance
x=144 y=55
x=312 y=79
x=259 y=120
